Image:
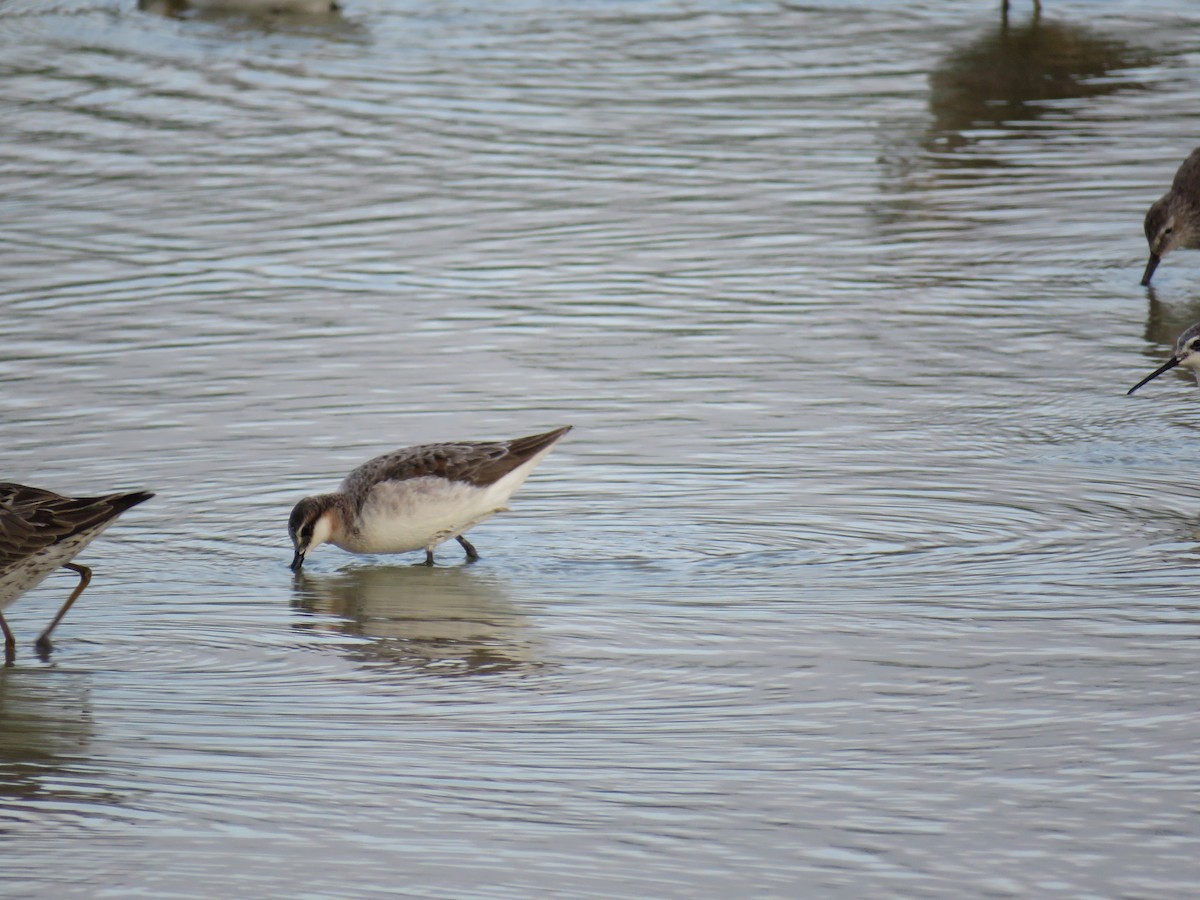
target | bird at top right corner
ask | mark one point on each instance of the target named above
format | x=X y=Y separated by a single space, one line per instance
x=1173 y=220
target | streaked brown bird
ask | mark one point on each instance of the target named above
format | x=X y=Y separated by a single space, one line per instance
x=41 y=531
x=1173 y=220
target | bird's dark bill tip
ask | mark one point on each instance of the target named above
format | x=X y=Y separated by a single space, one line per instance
x=1165 y=367
x=1151 y=265
x=297 y=561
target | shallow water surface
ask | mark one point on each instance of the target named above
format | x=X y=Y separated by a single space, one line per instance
x=859 y=575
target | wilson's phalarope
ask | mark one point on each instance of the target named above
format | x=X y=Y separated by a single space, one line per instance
x=1187 y=354
x=40 y=531
x=1174 y=218
x=417 y=497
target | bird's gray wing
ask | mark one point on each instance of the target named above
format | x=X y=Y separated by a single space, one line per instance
x=478 y=463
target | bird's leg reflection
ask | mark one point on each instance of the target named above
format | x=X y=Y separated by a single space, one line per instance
x=1037 y=11
x=10 y=642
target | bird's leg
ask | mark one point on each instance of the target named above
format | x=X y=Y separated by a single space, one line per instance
x=85 y=576
x=428 y=557
x=10 y=642
x=466 y=545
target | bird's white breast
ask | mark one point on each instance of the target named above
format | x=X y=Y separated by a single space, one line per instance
x=417 y=513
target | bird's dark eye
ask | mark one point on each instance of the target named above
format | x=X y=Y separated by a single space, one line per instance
x=1196 y=344
x=1168 y=229
x=306 y=533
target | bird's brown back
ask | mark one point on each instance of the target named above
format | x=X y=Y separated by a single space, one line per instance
x=478 y=464
x=32 y=518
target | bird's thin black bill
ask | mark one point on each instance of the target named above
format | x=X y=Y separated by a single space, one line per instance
x=297 y=561
x=1151 y=265
x=1165 y=367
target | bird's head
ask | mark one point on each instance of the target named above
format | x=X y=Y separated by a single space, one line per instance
x=1187 y=354
x=314 y=521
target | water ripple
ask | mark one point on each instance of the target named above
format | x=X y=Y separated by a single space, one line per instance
x=858 y=569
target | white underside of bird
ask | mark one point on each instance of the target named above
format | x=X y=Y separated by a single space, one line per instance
x=420 y=513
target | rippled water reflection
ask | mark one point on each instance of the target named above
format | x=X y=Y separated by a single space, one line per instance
x=859 y=574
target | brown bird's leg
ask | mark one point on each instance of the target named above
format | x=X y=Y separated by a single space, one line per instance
x=428 y=557
x=466 y=545
x=10 y=642
x=85 y=576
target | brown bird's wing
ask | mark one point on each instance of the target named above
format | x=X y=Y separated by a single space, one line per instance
x=479 y=464
x=32 y=519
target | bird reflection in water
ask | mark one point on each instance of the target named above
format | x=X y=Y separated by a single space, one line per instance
x=274 y=16
x=990 y=88
x=178 y=8
x=1013 y=72
x=1165 y=321
x=448 y=621
x=45 y=727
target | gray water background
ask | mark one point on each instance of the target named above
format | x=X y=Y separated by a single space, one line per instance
x=859 y=576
